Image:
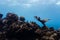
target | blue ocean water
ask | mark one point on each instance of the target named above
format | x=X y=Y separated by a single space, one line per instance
x=50 y=12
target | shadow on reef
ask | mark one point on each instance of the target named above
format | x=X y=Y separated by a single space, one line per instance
x=13 y=27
